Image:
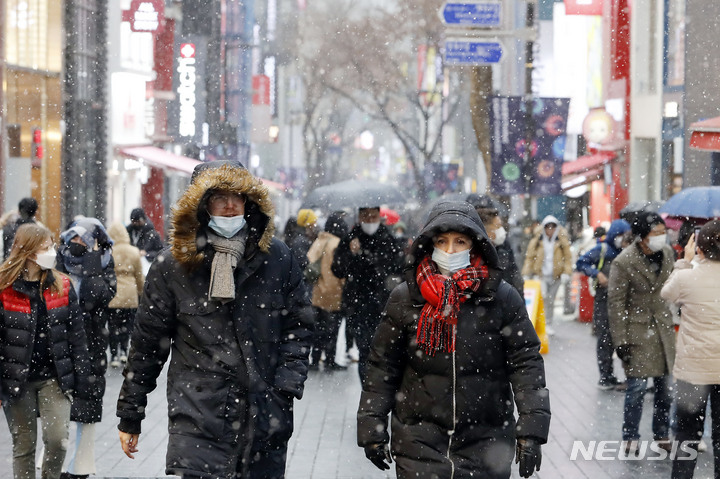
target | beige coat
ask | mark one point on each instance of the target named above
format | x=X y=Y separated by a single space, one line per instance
x=696 y=291
x=535 y=254
x=327 y=293
x=639 y=317
x=128 y=269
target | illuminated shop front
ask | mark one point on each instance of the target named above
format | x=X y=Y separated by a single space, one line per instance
x=32 y=93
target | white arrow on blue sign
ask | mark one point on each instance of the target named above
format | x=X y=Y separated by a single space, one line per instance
x=472 y=14
x=472 y=52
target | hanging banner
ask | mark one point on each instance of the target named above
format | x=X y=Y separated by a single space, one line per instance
x=550 y=119
x=507 y=133
x=510 y=175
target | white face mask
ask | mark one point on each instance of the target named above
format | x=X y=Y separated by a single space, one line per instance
x=618 y=242
x=46 y=259
x=227 y=226
x=500 y=236
x=656 y=243
x=451 y=262
x=370 y=228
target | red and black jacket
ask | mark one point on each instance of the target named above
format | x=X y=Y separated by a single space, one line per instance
x=68 y=346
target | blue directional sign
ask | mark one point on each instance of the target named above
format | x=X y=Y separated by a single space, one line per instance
x=472 y=52
x=471 y=14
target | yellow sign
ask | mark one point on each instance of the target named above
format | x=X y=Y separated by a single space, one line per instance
x=536 y=311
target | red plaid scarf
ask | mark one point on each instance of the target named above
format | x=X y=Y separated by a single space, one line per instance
x=438 y=320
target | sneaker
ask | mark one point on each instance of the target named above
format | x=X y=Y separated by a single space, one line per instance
x=702 y=446
x=123 y=358
x=115 y=362
x=314 y=367
x=606 y=385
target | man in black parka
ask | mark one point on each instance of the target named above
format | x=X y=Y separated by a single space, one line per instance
x=367 y=257
x=452 y=411
x=230 y=302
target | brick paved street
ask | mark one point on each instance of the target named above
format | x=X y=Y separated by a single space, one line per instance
x=323 y=446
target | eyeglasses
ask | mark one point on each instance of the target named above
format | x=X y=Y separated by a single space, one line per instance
x=225 y=198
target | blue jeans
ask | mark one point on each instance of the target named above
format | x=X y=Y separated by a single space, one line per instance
x=634 y=405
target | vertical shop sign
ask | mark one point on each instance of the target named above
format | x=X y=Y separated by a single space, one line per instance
x=510 y=175
x=550 y=120
x=507 y=132
x=187 y=112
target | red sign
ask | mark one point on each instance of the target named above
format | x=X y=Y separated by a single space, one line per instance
x=583 y=7
x=261 y=90
x=145 y=15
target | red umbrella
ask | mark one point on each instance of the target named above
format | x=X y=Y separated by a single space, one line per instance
x=391 y=216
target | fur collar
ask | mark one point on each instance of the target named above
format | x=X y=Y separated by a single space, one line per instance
x=188 y=237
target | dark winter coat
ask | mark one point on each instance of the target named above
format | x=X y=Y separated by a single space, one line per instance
x=253 y=349
x=454 y=411
x=146 y=238
x=367 y=272
x=9 y=232
x=97 y=287
x=68 y=346
x=510 y=271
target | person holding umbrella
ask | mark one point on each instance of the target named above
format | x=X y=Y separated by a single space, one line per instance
x=366 y=257
x=454 y=350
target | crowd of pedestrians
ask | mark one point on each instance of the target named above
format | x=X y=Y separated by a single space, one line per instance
x=448 y=359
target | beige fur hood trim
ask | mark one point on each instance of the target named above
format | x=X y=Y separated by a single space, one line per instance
x=185 y=223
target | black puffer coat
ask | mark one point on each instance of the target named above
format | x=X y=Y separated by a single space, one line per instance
x=67 y=339
x=452 y=414
x=97 y=287
x=253 y=349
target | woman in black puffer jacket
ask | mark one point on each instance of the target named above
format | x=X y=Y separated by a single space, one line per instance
x=454 y=349
x=43 y=352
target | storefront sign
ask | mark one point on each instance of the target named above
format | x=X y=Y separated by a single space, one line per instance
x=188 y=109
x=145 y=15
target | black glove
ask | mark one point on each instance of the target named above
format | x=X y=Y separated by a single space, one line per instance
x=378 y=454
x=624 y=352
x=529 y=456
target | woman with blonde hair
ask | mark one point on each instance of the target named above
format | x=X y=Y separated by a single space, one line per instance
x=43 y=351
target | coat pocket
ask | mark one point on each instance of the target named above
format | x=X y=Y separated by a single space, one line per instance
x=203 y=407
x=203 y=322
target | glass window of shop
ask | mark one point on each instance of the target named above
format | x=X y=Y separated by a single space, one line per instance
x=33 y=94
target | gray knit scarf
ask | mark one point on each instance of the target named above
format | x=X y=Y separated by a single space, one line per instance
x=228 y=254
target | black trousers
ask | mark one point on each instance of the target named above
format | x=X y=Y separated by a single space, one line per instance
x=363 y=319
x=691 y=406
x=120 y=324
x=327 y=324
x=605 y=346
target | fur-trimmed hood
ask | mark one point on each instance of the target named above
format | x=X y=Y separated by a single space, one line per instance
x=190 y=217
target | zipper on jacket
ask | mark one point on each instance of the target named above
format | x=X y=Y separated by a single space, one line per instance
x=454 y=419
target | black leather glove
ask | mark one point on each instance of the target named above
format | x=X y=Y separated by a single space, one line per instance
x=529 y=455
x=378 y=454
x=624 y=352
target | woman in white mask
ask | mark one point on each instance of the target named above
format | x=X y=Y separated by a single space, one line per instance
x=454 y=343
x=641 y=326
x=43 y=352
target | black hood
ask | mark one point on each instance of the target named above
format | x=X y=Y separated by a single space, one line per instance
x=457 y=216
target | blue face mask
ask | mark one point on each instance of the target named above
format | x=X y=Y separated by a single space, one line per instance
x=227 y=226
x=451 y=262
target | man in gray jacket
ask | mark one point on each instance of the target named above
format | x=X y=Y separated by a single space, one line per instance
x=641 y=325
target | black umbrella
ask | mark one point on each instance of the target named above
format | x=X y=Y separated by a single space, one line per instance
x=353 y=194
x=632 y=209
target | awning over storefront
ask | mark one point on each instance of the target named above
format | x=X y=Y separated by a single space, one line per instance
x=162 y=158
x=705 y=135
x=166 y=160
x=585 y=169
